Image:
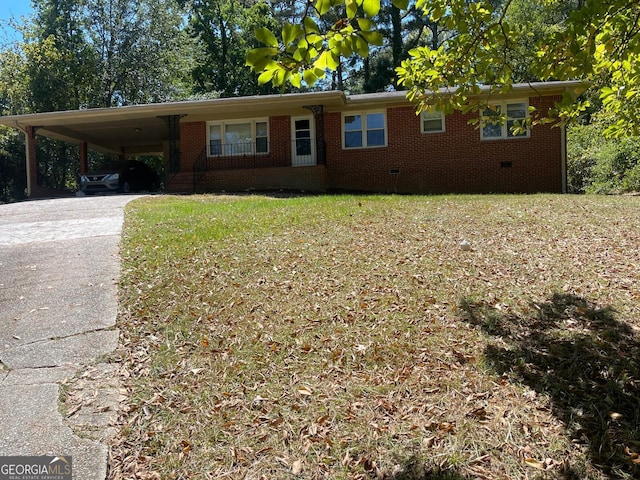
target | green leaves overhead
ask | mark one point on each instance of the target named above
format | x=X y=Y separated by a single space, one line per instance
x=401 y=4
x=483 y=44
x=303 y=52
x=371 y=7
x=323 y=6
x=265 y=36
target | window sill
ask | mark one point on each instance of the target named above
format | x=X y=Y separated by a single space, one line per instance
x=365 y=148
x=504 y=139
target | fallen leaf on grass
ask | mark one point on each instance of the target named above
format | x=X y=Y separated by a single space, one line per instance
x=296 y=468
x=479 y=413
x=305 y=391
x=547 y=464
x=428 y=442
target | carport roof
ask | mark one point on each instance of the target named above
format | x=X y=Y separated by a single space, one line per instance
x=142 y=129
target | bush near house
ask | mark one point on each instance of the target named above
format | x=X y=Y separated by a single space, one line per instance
x=12 y=167
x=599 y=165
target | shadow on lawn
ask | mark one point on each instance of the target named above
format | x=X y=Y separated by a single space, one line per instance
x=586 y=361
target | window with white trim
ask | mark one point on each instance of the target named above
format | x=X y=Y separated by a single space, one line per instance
x=364 y=130
x=239 y=137
x=432 y=121
x=494 y=128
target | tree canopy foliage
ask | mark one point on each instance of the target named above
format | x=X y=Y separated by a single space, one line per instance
x=486 y=43
x=220 y=27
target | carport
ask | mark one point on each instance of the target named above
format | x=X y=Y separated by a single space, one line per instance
x=152 y=129
x=124 y=131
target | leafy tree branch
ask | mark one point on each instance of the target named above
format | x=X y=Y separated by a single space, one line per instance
x=594 y=41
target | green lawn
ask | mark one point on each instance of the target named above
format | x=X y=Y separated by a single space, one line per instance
x=351 y=337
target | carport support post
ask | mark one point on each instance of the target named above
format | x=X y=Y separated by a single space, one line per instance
x=84 y=158
x=32 y=161
x=173 y=124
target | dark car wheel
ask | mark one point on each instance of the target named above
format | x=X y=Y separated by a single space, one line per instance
x=126 y=187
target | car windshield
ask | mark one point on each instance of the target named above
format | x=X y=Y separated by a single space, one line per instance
x=120 y=166
x=108 y=167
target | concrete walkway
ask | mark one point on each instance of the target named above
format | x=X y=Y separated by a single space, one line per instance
x=59 y=267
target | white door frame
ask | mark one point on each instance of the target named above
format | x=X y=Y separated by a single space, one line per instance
x=303 y=143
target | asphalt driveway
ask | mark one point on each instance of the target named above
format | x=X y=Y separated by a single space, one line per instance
x=59 y=267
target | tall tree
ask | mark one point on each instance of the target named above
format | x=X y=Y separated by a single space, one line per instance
x=402 y=31
x=141 y=48
x=50 y=70
x=224 y=29
x=14 y=87
x=58 y=60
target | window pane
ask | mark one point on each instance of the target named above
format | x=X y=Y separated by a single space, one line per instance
x=215 y=140
x=262 y=137
x=510 y=134
x=353 y=139
x=215 y=147
x=262 y=145
x=214 y=132
x=375 y=138
x=238 y=133
x=432 y=121
x=238 y=138
x=303 y=134
x=237 y=148
x=491 y=127
x=261 y=129
x=492 y=130
x=516 y=110
x=303 y=146
x=303 y=125
x=352 y=123
x=375 y=120
x=492 y=112
x=434 y=125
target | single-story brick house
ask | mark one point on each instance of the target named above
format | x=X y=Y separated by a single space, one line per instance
x=321 y=141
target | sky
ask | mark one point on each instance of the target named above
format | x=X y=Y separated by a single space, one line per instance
x=12 y=9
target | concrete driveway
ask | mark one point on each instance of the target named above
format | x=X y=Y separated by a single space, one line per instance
x=59 y=267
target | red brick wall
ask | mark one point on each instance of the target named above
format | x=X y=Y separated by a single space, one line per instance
x=311 y=179
x=280 y=139
x=193 y=138
x=453 y=161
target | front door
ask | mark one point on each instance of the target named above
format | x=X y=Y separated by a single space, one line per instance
x=304 y=141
